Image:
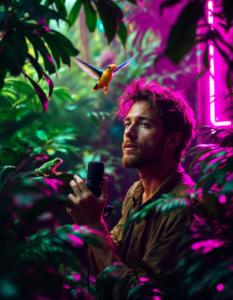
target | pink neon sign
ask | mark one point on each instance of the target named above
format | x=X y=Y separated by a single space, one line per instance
x=211 y=76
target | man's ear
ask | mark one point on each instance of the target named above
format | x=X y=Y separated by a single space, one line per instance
x=174 y=139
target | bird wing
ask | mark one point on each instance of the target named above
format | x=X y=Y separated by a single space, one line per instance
x=89 y=69
x=126 y=63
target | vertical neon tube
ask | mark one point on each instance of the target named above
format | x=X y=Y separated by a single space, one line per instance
x=211 y=76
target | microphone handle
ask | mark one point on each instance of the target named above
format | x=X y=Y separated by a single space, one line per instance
x=95 y=186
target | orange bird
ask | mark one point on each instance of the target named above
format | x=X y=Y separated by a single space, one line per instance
x=104 y=77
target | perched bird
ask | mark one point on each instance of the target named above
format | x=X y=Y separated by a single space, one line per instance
x=105 y=76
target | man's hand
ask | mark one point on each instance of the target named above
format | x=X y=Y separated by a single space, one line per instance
x=86 y=208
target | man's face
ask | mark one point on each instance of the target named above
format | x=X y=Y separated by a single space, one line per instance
x=144 y=131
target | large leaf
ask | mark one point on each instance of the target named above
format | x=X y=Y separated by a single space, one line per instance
x=35 y=64
x=182 y=34
x=39 y=45
x=50 y=84
x=74 y=12
x=10 y=59
x=61 y=8
x=64 y=42
x=122 y=33
x=6 y=167
x=109 y=17
x=90 y=15
x=38 y=11
x=53 y=48
x=41 y=94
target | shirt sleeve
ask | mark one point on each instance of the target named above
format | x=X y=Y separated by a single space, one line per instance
x=160 y=255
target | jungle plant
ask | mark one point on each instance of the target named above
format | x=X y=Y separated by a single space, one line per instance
x=184 y=33
x=23 y=22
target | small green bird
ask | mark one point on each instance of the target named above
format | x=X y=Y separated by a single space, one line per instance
x=105 y=76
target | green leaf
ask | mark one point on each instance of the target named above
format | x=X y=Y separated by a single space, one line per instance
x=6 y=167
x=54 y=49
x=74 y=12
x=61 y=8
x=36 y=65
x=109 y=19
x=90 y=15
x=122 y=33
x=94 y=118
x=133 y=1
x=41 y=135
x=64 y=42
x=62 y=150
x=39 y=45
x=10 y=59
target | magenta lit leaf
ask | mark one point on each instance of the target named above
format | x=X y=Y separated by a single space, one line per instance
x=41 y=94
x=50 y=84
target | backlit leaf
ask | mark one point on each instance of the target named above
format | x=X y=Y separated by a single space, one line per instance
x=122 y=33
x=74 y=12
x=90 y=15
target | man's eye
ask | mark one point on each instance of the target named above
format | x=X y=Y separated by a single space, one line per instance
x=144 y=124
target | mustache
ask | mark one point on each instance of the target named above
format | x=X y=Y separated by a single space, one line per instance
x=129 y=142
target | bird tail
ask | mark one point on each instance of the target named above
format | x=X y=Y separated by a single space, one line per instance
x=96 y=87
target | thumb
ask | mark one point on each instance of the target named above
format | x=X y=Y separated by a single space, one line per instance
x=104 y=191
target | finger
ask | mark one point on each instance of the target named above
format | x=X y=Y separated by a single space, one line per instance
x=72 y=199
x=81 y=183
x=69 y=211
x=76 y=188
x=104 y=191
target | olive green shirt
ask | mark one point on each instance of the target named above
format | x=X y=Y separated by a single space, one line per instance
x=153 y=239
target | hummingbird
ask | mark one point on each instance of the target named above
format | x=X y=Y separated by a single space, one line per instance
x=103 y=77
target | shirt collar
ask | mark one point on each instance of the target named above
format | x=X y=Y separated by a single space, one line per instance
x=167 y=186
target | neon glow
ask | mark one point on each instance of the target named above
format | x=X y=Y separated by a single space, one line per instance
x=211 y=77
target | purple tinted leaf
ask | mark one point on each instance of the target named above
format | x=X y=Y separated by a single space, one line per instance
x=36 y=65
x=50 y=84
x=75 y=241
x=41 y=94
x=56 y=184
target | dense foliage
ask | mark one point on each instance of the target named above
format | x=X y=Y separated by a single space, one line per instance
x=42 y=255
x=185 y=33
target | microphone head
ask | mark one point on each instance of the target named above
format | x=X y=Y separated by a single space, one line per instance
x=95 y=171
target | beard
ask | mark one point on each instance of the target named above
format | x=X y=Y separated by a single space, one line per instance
x=134 y=159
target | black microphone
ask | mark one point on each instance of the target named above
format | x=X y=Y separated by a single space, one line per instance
x=95 y=177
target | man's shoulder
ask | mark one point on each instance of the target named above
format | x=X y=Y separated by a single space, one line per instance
x=185 y=185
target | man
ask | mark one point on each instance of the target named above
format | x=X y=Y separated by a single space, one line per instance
x=159 y=125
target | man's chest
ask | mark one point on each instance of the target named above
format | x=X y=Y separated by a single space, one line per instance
x=145 y=233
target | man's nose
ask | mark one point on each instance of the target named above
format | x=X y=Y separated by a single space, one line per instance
x=130 y=132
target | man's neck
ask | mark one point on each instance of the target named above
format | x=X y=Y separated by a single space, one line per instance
x=153 y=176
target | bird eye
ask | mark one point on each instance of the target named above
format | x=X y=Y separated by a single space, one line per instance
x=109 y=68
